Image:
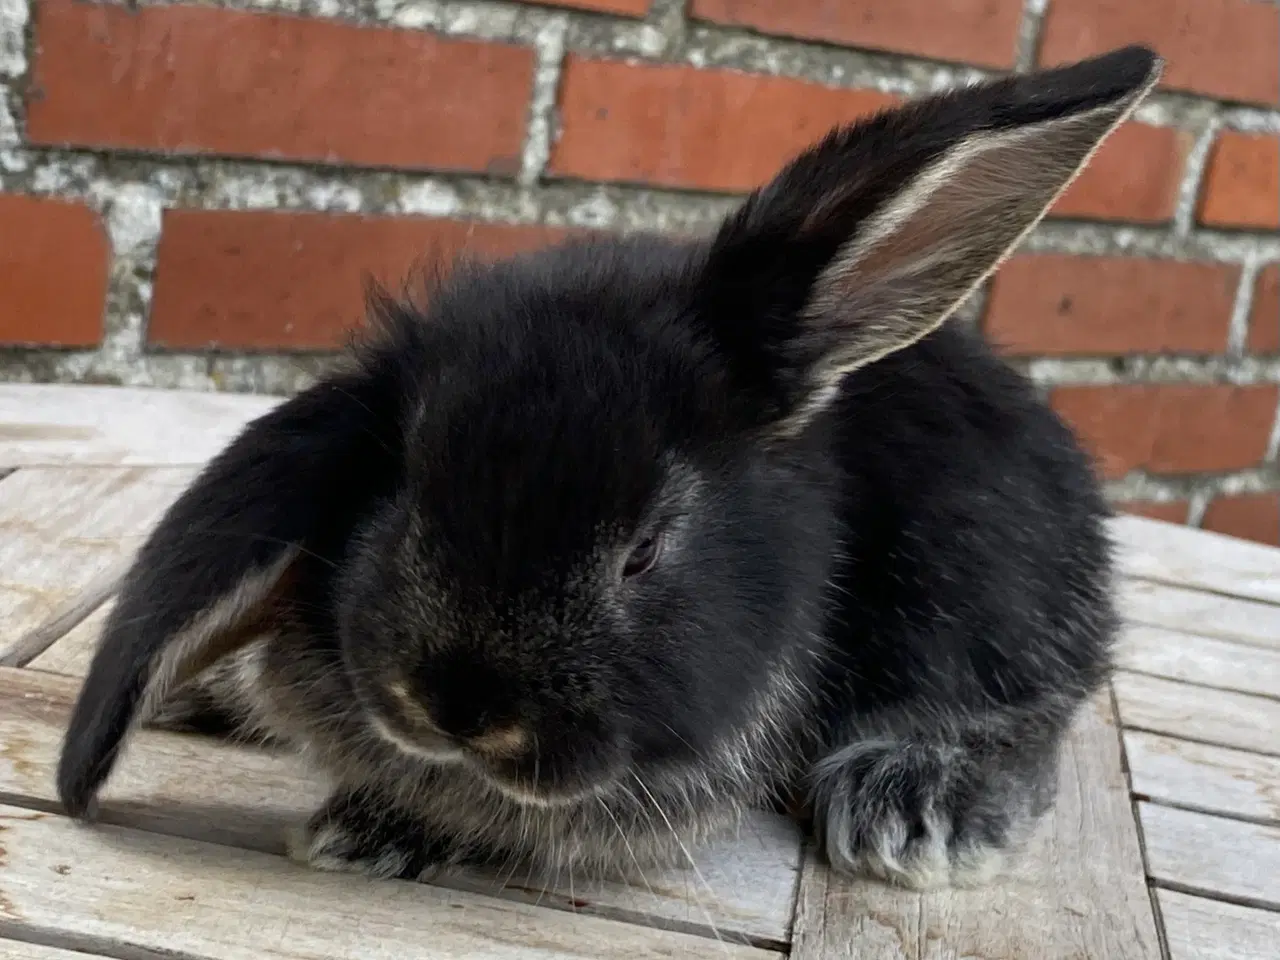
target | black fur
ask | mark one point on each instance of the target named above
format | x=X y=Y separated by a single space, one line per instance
x=892 y=609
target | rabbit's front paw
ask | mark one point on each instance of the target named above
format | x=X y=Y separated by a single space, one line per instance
x=920 y=816
x=356 y=833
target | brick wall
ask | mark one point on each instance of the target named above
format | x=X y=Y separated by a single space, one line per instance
x=192 y=192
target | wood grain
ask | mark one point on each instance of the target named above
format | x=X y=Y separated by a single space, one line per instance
x=1208 y=662
x=1187 y=557
x=72 y=654
x=60 y=424
x=1214 y=779
x=135 y=891
x=1078 y=891
x=62 y=531
x=1200 y=929
x=1201 y=613
x=14 y=950
x=67 y=617
x=1198 y=713
x=201 y=789
x=1199 y=852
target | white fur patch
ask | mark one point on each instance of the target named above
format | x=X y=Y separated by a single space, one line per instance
x=329 y=849
x=439 y=752
x=188 y=653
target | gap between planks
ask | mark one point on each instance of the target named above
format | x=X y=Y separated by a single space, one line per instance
x=72 y=657
x=1183 y=685
x=1079 y=890
x=1202 y=929
x=63 y=425
x=66 y=619
x=1212 y=856
x=1199 y=661
x=130 y=893
x=1205 y=715
x=72 y=654
x=1127 y=772
x=1186 y=610
x=65 y=531
x=165 y=782
x=1219 y=780
x=1183 y=556
x=28 y=950
x=1073 y=869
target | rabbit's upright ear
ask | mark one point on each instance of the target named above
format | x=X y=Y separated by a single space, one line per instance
x=283 y=496
x=868 y=241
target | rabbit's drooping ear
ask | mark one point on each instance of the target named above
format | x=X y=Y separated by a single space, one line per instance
x=283 y=495
x=868 y=241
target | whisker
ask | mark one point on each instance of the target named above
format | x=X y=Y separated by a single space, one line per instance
x=630 y=850
x=688 y=857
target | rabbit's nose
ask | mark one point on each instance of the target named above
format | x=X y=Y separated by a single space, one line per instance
x=472 y=703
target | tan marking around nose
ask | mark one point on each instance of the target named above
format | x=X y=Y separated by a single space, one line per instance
x=413 y=710
x=507 y=741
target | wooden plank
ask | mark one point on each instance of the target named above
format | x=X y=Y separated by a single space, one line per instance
x=66 y=617
x=65 y=531
x=1079 y=891
x=1188 y=557
x=72 y=654
x=1198 y=612
x=1202 y=853
x=1198 y=713
x=205 y=790
x=14 y=950
x=127 y=890
x=1208 y=662
x=1200 y=929
x=1214 y=779
x=58 y=424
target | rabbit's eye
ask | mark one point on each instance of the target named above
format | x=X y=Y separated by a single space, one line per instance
x=643 y=556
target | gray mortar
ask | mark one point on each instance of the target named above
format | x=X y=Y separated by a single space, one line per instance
x=1238 y=330
x=14 y=21
x=129 y=191
x=1029 y=33
x=549 y=48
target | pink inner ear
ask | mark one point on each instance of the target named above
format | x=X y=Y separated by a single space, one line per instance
x=924 y=251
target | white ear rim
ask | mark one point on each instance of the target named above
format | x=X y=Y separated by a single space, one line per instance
x=881 y=226
x=189 y=652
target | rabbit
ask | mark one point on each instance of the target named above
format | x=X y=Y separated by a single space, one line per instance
x=596 y=547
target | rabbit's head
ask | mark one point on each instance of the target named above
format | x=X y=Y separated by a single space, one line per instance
x=573 y=519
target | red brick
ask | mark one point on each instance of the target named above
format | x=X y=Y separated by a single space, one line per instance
x=1264 y=320
x=1134 y=176
x=1242 y=184
x=1173 y=511
x=677 y=126
x=628 y=8
x=162 y=78
x=269 y=279
x=1228 y=49
x=1170 y=428
x=983 y=32
x=54 y=261
x=1250 y=516
x=1058 y=305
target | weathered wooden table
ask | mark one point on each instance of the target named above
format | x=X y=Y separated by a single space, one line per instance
x=1165 y=840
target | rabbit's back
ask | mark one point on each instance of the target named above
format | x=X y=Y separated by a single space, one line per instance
x=976 y=565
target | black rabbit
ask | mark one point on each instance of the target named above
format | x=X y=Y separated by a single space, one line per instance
x=608 y=543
